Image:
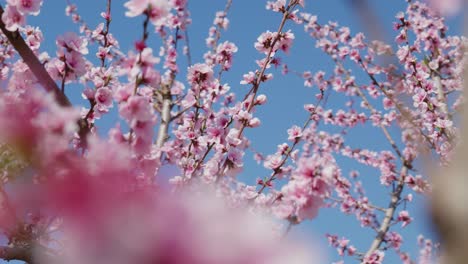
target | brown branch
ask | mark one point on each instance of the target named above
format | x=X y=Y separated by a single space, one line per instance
x=165 y=117
x=187 y=42
x=396 y=195
x=106 y=31
x=30 y=252
x=389 y=213
x=167 y=104
x=9 y=253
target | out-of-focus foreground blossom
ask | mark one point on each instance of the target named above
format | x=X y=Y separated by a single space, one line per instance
x=105 y=214
x=447 y=7
x=178 y=228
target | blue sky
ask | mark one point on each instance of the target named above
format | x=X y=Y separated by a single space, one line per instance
x=286 y=94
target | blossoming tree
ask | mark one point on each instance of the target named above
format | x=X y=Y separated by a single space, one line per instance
x=71 y=195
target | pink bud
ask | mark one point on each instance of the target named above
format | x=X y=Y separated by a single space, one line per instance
x=261 y=99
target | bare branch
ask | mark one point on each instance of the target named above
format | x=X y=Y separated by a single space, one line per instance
x=389 y=212
x=165 y=117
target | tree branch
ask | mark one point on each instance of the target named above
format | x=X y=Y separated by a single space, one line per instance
x=165 y=117
x=389 y=212
x=9 y=253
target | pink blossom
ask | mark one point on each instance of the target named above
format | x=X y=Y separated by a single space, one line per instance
x=265 y=42
x=232 y=137
x=351 y=250
x=221 y=20
x=403 y=216
x=402 y=53
x=144 y=131
x=215 y=134
x=224 y=54
x=261 y=99
x=103 y=97
x=34 y=37
x=243 y=116
x=136 y=108
x=294 y=133
x=418 y=184
x=136 y=7
x=307 y=188
x=249 y=78
x=358 y=41
x=283 y=210
x=254 y=122
x=12 y=18
x=394 y=240
x=277 y=5
x=444 y=123
x=273 y=161
x=285 y=41
x=199 y=73
x=376 y=257
x=388 y=103
x=26 y=7
x=235 y=156
x=76 y=63
x=158 y=11
x=72 y=42
x=56 y=68
x=446 y=7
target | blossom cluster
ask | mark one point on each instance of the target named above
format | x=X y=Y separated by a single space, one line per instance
x=16 y=11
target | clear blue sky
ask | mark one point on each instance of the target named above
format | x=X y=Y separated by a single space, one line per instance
x=286 y=94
